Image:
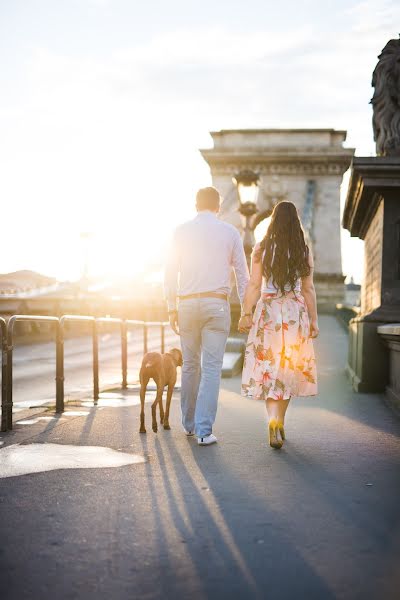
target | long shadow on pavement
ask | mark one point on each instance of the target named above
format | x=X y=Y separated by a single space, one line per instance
x=238 y=547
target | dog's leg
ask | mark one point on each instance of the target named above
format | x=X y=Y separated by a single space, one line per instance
x=162 y=414
x=168 y=404
x=156 y=402
x=143 y=386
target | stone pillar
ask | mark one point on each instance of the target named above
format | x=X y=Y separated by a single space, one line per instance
x=288 y=160
x=372 y=213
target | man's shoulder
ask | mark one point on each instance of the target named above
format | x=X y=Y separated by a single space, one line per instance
x=223 y=226
x=229 y=228
x=183 y=226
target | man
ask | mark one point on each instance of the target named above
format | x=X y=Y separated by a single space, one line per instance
x=202 y=255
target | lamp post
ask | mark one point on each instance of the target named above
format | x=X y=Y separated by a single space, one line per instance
x=85 y=237
x=247 y=187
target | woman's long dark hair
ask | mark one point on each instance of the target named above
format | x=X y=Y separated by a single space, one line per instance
x=285 y=250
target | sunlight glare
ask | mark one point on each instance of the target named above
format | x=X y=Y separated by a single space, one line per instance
x=261 y=229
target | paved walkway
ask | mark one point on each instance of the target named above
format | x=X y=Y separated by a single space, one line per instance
x=319 y=519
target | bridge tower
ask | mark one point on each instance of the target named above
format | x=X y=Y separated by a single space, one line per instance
x=305 y=166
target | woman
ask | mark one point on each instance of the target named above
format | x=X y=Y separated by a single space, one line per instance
x=279 y=359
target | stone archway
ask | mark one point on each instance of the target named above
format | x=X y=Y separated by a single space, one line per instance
x=305 y=166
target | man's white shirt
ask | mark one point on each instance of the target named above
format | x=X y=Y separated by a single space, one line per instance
x=201 y=257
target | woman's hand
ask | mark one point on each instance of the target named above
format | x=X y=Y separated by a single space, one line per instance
x=245 y=323
x=314 y=329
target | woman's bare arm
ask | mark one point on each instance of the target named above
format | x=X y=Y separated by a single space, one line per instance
x=308 y=291
x=253 y=289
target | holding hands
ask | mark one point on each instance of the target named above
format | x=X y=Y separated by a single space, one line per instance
x=245 y=323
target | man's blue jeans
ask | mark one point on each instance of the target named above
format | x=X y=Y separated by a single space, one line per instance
x=204 y=326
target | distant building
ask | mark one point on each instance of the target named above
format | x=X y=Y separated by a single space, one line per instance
x=352 y=295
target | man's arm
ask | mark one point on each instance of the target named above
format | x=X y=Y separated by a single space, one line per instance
x=171 y=282
x=239 y=264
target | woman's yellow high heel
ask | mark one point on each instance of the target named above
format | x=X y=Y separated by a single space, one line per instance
x=273 y=429
x=281 y=430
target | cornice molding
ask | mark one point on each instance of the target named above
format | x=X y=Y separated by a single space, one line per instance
x=269 y=154
x=371 y=178
x=285 y=161
x=285 y=131
x=336 y=168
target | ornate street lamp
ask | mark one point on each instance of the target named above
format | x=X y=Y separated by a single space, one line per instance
x=247 y=187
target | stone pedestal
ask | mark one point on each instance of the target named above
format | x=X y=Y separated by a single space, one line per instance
x=372 y=213
x=304 y=166
x=391 y=337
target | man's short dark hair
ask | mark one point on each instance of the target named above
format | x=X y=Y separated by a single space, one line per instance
x=208 y=198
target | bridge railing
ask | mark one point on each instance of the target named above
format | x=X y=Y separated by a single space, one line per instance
x=346 y=312
x=7 y=399
x=3 y=328
x=7 y=338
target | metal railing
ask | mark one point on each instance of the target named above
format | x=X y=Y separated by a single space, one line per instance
x=8 y=407
x=60 y=358
x=4 y=407
x=7 y=334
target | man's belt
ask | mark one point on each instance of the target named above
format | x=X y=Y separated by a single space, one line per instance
x=204 y=295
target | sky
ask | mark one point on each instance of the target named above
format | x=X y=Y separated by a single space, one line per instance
x=104 y=105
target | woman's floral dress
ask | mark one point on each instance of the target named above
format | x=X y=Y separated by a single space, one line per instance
x=279 y=359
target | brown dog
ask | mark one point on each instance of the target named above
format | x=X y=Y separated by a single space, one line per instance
x=162 y=368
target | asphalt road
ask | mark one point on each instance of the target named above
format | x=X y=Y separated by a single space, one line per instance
x=317 y=520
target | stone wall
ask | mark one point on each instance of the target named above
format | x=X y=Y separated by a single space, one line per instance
x=371 y=288
x=327 y=244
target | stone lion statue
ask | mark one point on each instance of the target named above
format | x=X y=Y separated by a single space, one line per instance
x=386 y=100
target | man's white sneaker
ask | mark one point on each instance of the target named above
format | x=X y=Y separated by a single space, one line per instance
x=188 y=433
x=207 y=440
